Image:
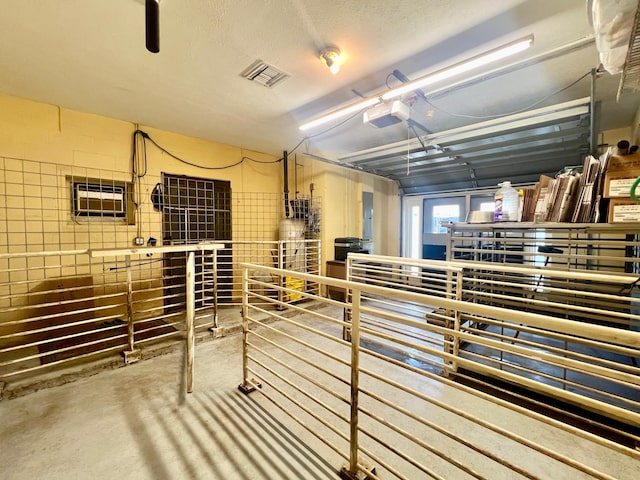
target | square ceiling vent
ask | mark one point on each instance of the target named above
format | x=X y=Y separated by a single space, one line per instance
x=264 y=74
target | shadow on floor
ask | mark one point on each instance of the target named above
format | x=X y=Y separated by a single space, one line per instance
x=222 y=435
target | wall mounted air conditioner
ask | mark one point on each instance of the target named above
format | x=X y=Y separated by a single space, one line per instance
x=386 y=114
x=99 y=199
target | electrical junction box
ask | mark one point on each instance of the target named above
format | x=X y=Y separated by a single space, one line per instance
x=386 y=114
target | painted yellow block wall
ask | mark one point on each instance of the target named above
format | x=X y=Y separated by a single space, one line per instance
x=612 y=137
x=38 y=136
x=50 y=144
x=46 y=133
x=386 y=217
x=42 y=145
x=341 y=192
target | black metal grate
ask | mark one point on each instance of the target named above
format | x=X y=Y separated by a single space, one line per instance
x=195 y=210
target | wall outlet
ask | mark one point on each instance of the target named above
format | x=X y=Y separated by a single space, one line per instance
x=138 y=240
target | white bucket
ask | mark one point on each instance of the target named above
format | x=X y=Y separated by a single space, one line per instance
x=292 y=234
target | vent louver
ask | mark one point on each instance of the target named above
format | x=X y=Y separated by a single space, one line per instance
x=264 y=74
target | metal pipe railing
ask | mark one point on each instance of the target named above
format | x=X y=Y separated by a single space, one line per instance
x=116 y=304
x=267 y=253
x=133 y=354
x=395 y=317
x=354 y=383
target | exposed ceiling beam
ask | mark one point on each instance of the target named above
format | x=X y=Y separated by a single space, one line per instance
x=490 y=128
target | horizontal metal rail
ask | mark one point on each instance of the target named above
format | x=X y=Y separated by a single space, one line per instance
x=603 y=247
x=301 y=255
x=71 y=307
x=67 y=307
x=582 y=360
x=400 y=410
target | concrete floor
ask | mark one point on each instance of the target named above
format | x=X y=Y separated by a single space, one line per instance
x=619 y=395
x=137 y=423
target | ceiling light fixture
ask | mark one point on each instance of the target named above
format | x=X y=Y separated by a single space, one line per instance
x=152 y=25
x=429 y=79
x=330 y=56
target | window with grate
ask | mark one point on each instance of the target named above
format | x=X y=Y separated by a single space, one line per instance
x=194 y=210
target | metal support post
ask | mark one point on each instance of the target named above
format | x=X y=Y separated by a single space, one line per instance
x=191 y=297
x=216 y=330
x=346 y=329
x=455 y=338
x=245 y=387
x=131 y=355
x=449 y=325
x=282 y=253
x=357 y=469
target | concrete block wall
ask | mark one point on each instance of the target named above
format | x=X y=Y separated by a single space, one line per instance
x=42 y=145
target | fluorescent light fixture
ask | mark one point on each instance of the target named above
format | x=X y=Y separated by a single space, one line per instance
x=444 y=74
x=459 y=68
x=343 y=112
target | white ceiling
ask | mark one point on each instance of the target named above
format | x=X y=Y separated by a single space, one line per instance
x=90 y=55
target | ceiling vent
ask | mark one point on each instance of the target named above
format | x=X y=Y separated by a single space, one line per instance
x=264 y=74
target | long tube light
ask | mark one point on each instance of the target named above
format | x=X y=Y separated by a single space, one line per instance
x=437 y=76
x=343 y=112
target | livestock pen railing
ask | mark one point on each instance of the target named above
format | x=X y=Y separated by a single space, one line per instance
x=60 y=308
x=300 y=255
x=577 y=358
x=70 y=307
x=387 y=402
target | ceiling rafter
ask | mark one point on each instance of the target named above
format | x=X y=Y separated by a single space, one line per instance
x=535 y=142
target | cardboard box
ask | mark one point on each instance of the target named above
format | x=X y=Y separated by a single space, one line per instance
x=624 y=162
x=623 y=210
x=622 y=171
x=617 y=184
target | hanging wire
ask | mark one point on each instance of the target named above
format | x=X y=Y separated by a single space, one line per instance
x=523 y=109
x=145 y=136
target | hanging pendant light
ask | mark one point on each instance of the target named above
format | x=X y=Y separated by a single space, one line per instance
x=152 y=25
